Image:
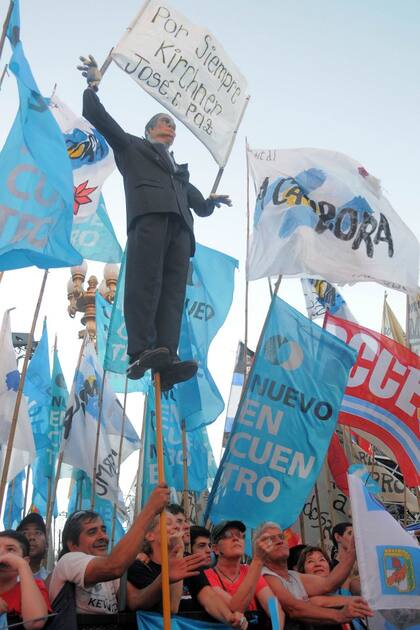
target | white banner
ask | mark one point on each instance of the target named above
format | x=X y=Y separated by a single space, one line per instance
x=185 y=68
x=413 y=332
x=319 y=214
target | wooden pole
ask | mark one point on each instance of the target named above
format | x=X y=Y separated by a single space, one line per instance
x=166 y=596
x=248 y=213
x=139 y=488
x=3 y=74
x=185 y=498
x=12 y=496
x=25 y=498
x=318 y=509
x=63 y=446
x=114 y=514
x=6 y=26
x=19 y=395
x=98 y=435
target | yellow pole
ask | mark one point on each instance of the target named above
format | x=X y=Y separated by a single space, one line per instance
x=166 y=596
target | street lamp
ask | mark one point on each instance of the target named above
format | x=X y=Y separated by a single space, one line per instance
x=83 y=300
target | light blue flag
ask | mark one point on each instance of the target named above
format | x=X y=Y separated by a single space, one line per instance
x=154 y=621
x=80 y=499
x=284 y=422
x=36 y=182
x=44 y=467
x=13 y=512
x=200 y=460
x=37 y=390
x=94 y=238
x=208 y=299
x=3 y=621
x=104 y=313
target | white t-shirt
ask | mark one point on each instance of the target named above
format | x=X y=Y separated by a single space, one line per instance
x=292 y=583
x=99 y=598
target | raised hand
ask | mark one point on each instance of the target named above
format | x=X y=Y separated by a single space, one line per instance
x=159 y=498
x=220 y=199
x=185 y=567
x=91 y=71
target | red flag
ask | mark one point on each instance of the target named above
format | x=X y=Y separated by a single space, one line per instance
x=338 y=464
x=383 y=393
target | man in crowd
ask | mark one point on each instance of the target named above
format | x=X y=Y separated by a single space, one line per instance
x=201 y=543
x=160 y=235
x=181 y=520
x=144 y=587
x=84 y=558
x=34 y=530
x=293 y=589
x=241 y=586
x=21 y=595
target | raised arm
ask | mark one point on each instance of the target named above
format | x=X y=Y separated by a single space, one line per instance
x=94 y=111
x=33 y=604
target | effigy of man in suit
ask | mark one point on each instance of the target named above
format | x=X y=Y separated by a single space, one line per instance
x=160 y=241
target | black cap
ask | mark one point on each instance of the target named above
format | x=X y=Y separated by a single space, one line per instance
x=36 y=519
x=218 y=529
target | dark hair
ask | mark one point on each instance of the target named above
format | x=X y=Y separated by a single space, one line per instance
x=174 y=508
x=196 y=531
x=339 y=529
x=153 y=122
x=73 y=528
x=20 y=538
x=307 y=552
x=294 y=555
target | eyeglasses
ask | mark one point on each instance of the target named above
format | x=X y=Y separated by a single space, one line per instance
x=233 y=533
x=274 y=537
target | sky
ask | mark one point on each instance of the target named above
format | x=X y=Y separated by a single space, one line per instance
x=329 y=74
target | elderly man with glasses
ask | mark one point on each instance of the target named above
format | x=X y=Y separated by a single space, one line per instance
x=84 y=559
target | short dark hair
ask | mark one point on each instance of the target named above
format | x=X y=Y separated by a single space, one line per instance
x=73 y=528
x=294 y=555
x=307 y=552
x=196 y=531
x=174 y=508
x=153 y=122
x=20 y=538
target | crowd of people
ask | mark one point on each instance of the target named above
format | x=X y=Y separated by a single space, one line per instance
x=208 y=575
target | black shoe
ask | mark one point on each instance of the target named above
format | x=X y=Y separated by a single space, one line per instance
x=177 y=372
x=155 y=359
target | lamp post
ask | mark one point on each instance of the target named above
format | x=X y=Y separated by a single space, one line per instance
x=83 y=300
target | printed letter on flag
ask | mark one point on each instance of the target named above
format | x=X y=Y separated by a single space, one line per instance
x=284 y=422
x=186 y=69
x=319 y=214
x=383 y=393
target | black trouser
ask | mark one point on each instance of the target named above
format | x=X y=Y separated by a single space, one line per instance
x=158 y=252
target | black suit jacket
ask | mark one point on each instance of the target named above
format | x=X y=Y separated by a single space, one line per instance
x=151 y=183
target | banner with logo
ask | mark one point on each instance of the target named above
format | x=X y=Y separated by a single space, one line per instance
x=320 y=214
x=388 y=559
x=383 y=393
x=321 y=296
x=284 y=423
x=413 y=332
x=186 y=69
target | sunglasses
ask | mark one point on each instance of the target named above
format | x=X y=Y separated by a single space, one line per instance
x=232 y=533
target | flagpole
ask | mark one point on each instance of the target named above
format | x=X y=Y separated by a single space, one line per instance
x=139 y=495
x=248 y=212
x=98 y=434
x=25 y=499
x=318 y=509
x=19 y=395
x=6 y=26
x=185 y=500
x=3 y=74
x=166 y=597
x=114 y=515
x=61 y=454
x=12 y=496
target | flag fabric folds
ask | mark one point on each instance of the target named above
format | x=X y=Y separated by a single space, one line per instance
x=196 y=82
x=388 y=559
x=391 y=327
x=284 y=423
x=320 y=214
x=13 y=511
x=80 y=427
x=23 y=452
x=241 y=367
x=208 y=299
x=92 y=161
x=35 y=178
x=321 y=296
x=413 y=323
x=383 y=393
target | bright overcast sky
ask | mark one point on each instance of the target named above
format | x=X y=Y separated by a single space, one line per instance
x=334 y=74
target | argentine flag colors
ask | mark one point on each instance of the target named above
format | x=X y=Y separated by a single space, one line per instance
x=284 y=421
x=320 y=214
x=388 y=559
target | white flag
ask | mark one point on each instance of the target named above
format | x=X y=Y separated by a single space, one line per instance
x=81 y=422
x=413 y=332
x=319 y=214
x=23 y=452
x=388 y=559
x=91 y=158
x=321 y=296
x=185 y=68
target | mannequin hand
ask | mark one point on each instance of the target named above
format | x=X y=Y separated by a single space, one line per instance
x=91 y=71
x=220 y=199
